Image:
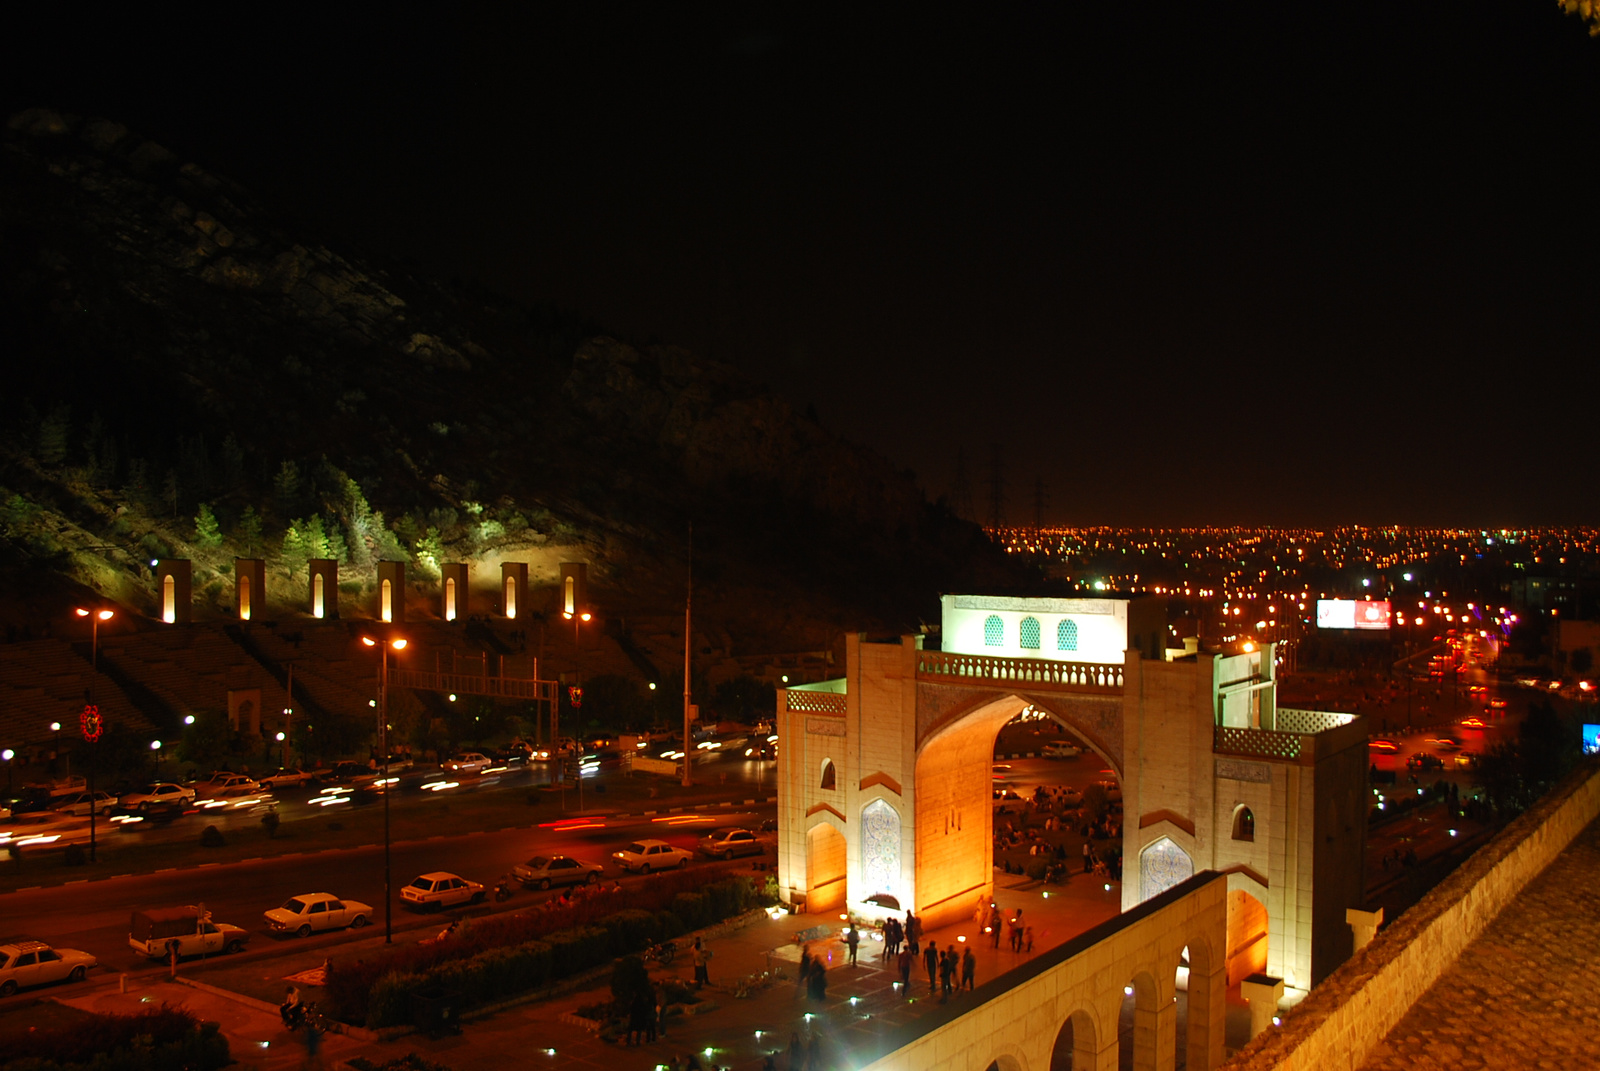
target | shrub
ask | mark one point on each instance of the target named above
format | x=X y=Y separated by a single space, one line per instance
x=211 y=837
x=628 y=976
x=389 y=1001
x=692 y=908
x=160 y=1037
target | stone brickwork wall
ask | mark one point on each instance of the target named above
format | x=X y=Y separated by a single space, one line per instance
x=1358 y=1004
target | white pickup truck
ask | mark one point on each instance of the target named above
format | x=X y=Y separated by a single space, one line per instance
x=189 y=931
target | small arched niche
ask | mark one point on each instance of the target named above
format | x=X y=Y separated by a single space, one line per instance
x=830 y=778
x=1244 y=823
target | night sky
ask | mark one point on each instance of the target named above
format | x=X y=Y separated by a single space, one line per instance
x=1203 y=263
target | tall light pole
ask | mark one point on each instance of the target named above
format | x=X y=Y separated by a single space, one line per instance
x=95 y=617
x=688 y=634
x=396 y=643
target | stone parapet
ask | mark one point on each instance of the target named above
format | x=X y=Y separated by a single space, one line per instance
x=1338 y=1025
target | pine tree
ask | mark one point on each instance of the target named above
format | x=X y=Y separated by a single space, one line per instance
x=250 y=529
x=206 y=532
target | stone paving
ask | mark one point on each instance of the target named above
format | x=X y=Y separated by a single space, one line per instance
x=1526 y=993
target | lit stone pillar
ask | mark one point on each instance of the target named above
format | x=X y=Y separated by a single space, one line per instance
x=1208 y=1018
x=1086 y=1054
x=392 y=592
x=1155 y=1034
x=1263 y=992
x=1364 y=924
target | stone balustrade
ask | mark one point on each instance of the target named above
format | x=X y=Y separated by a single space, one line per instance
x=1035 y=673
x=1262 y=743
x=815 y=702
x=1291 y=720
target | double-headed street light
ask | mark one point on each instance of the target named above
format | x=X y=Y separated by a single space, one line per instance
x=393 y=643
x=95 y=617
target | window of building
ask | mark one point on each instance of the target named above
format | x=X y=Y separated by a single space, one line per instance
x=829 y=778
x=1244 y=824
x=1067 y=636
x=994 y=631
x=1029 y=633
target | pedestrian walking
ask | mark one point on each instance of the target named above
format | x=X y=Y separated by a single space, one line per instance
x=913 y=932
x=1088 y=858
x=661 y=1010
x=702 y=956
x=930 y=958
x=1027 y=938
x=805 y=969
x=907 y=961
x=817 y=986
x=947 y=971
x=1016 y=931
x=852 y=938
x=797 y=1052
x=969 y=969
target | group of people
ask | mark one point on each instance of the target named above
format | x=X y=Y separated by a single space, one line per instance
x=1019 y=933
x=813 y=976
x=897 y=934
x=647 y=1015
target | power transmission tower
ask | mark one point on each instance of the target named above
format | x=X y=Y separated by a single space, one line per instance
x=1040 y=499
x=960 y=488
x=997 y=488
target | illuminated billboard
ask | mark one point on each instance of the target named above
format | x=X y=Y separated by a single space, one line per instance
x=1353 y=613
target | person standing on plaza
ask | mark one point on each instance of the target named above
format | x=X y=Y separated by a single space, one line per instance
x=930 y=959
x=1027 y=939
x=1016 y=931
x=969 y=969
x=907 y=961
x=852 y=938
x=913 y=933
x=947 y=971
x=805 y=969
x=702 y=975
x=797 y=1052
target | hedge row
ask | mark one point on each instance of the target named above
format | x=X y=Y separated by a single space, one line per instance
x=155 y=1040
x=500 y=973
x=351 y=980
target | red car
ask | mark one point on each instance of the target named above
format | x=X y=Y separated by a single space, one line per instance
x=1474 y=723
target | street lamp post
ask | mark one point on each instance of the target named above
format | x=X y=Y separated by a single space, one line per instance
x=95 y=617
x=396 y=643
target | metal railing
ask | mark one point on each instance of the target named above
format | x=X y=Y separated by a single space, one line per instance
x=475 y=684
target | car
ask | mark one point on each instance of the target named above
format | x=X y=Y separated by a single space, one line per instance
x=760 y=749
x=727 y=843
x=286 y=775
x=221 y=780
x=1474 y=723
x=1497 y=704
x=167 y=932
x=1060 y=750
x=647 y=855
x=43 y=829
x=1467 y=760
x=246 y=798
x=468 y=762
x=304 y=915
x=1446 y=744
x=30 y=963
x=349 y=773
x=440 y=889
x=85 y=802
x=160 y=794
x=543 y=871
x=1424 y=760
x=514 y=754
x=1381 y=744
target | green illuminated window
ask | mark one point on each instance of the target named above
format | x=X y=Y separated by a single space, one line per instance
x=994 y=631
x=1067 y=636
x=1029 y=635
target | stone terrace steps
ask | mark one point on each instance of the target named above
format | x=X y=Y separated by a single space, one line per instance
x=43 y=681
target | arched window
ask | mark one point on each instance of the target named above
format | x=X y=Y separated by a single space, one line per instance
x=511 y=596
x=1244 y=824
x=169 y=599
x=1067 y=636
x=569 y=598
x=994 y=631
x=386 y=606
x=244 y=596
x=1028 y=635
x=450 y=598
x=829 y=778
x=316 y=595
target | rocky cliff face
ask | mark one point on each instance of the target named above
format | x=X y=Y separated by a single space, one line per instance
x=174 y=347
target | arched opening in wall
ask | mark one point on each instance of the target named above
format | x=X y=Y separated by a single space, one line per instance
x=569 y=596
x=1247 y=936
x=244 y=597
x=1053 y=798
x=1162 y=865
x=316 y=595
x=169 y=599
x=511 y=596
x=386 y=601
x=826 y=859
x=1075 y=1045
x=1244 y=823
x=830 y=777
x=1138 y=1032
x=1004 y=1063
x=450 y=598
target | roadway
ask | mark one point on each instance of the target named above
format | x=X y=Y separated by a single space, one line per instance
x=93 y=916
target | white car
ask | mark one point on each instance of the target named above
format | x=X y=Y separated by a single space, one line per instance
x=286 y=775
x=647 y=855
x=1061 y=751
x=219 y=781
x=84 y=802
x=440 y=889
x=27 y=963
x=305 y=915
x=469 y=762
x=158 y=795
x=727 y=843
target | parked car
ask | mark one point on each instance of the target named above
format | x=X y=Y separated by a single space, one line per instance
x=188 y=931
x=84 y=802
x=440 y=889
x=349 y=773
x=647 y=855
x=286 y=775
x=161 y=794
x=304 y=915
x=468 y=762
x=543 y=871
x=30 y=963
x=726 y=843
x=221 y=780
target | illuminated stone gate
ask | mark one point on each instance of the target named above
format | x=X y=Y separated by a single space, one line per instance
x=884 y=776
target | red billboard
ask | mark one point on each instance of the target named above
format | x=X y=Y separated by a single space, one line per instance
x=1353 y=613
